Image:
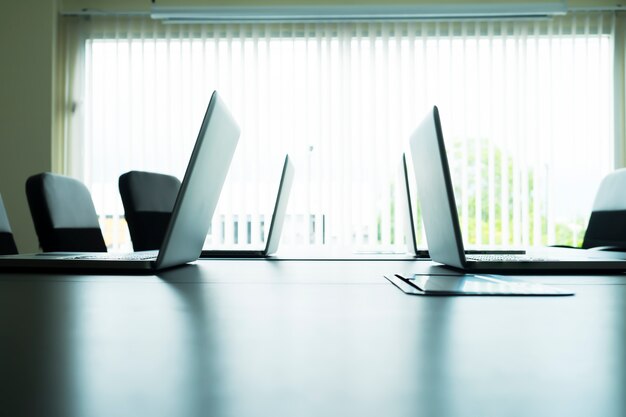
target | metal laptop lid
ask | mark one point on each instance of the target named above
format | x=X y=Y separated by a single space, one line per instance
x=435 y=192
x=409 y=233
x=201 y=186
x=278 y=215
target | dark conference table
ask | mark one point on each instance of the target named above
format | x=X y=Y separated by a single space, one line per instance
x=305 y=338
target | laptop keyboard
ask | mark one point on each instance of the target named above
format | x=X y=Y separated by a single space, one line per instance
x=507 y=258
x=119 y=257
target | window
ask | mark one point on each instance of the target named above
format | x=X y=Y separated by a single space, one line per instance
x=527 y=109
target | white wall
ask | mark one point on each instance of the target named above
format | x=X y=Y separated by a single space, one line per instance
x=27 y=51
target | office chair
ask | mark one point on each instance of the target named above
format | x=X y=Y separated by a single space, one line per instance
x=7 y=243
x=607 y=223
x=63 y=213
x=148 y=200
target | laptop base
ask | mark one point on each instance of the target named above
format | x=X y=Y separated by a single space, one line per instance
x=233 y=254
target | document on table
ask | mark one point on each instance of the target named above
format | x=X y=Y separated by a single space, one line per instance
x=470 y=284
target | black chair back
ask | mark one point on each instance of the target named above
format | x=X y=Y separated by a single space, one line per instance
x=64 y=215
x=148 y=200
x=607 y=224
x=7 y=243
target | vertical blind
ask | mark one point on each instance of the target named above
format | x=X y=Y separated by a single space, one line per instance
x=526 y=107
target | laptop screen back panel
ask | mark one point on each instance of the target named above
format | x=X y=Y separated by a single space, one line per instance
x=280 y=208
x=410 y=233
x=435 y=192
x=201 y=186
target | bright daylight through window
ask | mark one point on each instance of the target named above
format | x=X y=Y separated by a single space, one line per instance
x=527 y=108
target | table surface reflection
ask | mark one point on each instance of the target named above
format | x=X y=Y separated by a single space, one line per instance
x=305 y=338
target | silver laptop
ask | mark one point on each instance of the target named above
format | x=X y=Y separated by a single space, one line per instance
x=441 y=222
x=410 y=232
x=191 y=217
x=276 y=224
